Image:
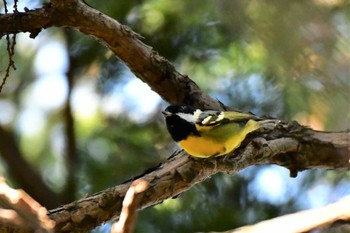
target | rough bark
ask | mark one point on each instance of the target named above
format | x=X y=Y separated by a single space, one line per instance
x=290 y=145
x=143 y=61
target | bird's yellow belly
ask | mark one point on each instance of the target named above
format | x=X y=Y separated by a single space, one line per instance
x=206 y=145
x=203 y=148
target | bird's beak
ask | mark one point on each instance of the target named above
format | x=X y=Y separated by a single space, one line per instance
x=166 y=113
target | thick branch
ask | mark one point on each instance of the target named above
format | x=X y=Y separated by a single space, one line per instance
x=314 y=148
x=143 y=61
x=302 y=149
x=30 y=21
x=290 y=145
x=293 y=146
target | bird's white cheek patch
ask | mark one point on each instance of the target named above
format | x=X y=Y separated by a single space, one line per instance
x=186 y=116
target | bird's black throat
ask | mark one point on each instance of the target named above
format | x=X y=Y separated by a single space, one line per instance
x=179 y=128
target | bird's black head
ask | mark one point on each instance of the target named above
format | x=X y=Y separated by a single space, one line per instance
x=173 y=109
x=180 y=121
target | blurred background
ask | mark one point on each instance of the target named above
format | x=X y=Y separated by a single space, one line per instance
x=74 y=120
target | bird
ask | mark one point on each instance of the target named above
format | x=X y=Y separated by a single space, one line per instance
x=208 y=133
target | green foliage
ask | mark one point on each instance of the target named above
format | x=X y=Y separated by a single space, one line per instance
x=119 y=151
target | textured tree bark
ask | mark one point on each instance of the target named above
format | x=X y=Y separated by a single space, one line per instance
x=143 y=61
x=290 y=145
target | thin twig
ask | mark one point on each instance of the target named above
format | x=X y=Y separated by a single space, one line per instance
x=5 y=7
x=11 y=63
x=15 y=6
x=10 y=47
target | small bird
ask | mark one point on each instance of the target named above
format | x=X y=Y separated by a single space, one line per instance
x=208 y=133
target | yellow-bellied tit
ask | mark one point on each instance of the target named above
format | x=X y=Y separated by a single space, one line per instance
x=208 y=133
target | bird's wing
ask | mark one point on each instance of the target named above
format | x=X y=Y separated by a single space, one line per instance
x=211 y=118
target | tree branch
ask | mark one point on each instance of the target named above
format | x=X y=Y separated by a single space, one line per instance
x=143 y=61
x=290 y=145
x=20 y=210
x=303 y=221
x=131 y=204
x=32 y=21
